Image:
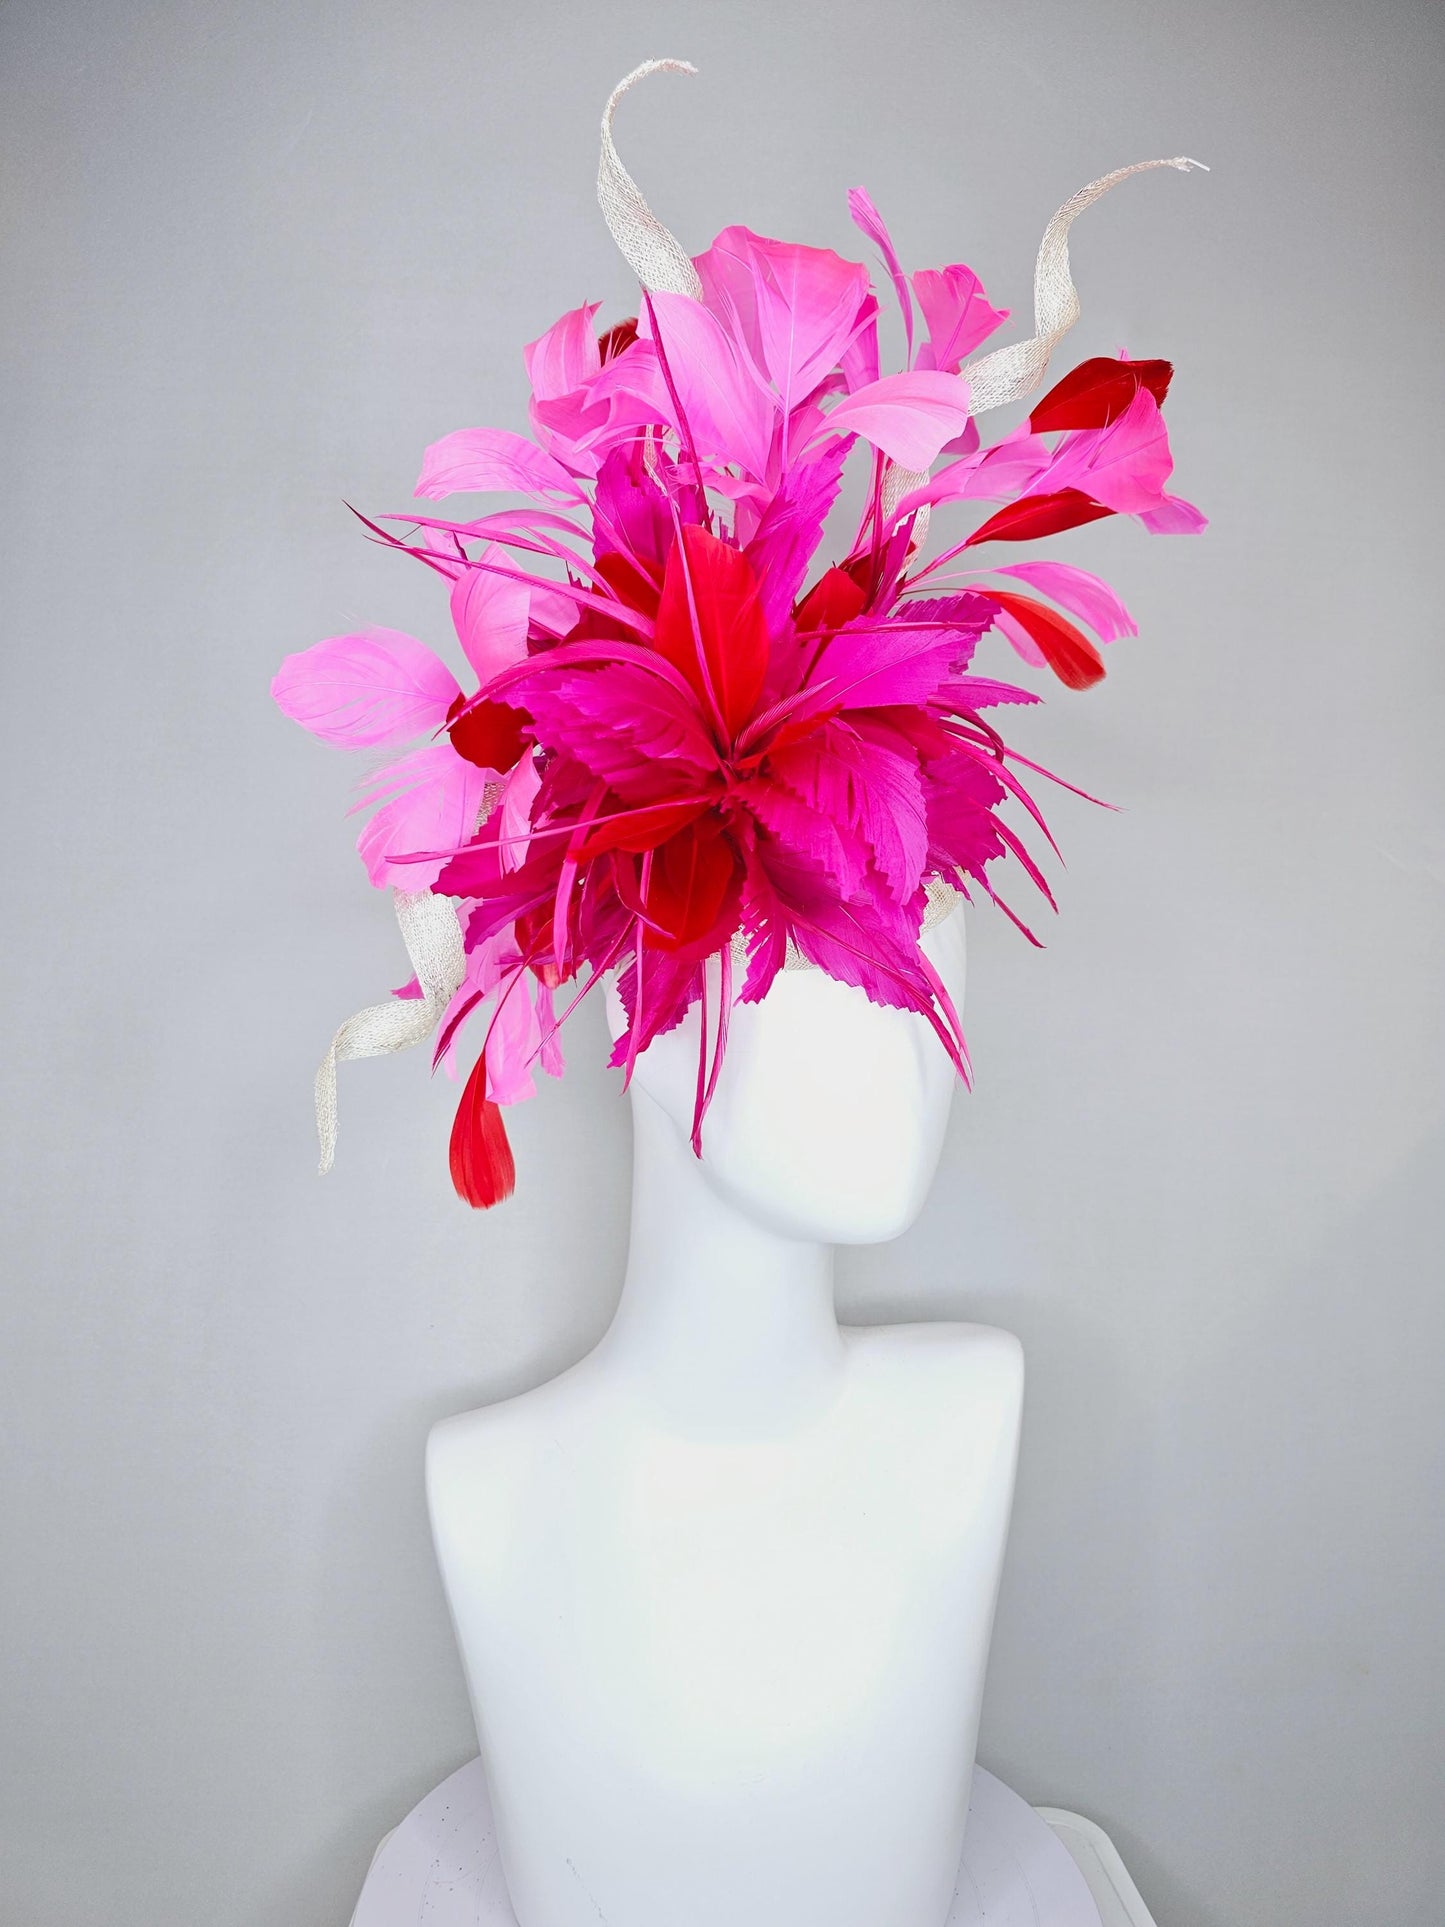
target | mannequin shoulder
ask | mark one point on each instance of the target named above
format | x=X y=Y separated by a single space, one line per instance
x=493 y=1446
x=941 y=1366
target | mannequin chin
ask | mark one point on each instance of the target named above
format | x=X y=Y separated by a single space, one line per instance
x=830 y=1113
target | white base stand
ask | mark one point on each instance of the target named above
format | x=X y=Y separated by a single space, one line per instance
x=1020 y=1867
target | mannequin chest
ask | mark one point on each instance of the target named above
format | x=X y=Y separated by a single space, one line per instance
x=762 y=1592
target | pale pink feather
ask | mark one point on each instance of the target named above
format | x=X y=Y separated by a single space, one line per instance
x=485 y=460
x=373 y=687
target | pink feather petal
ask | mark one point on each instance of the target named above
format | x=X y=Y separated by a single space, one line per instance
x=869 y=789
x=810 y=305
x=1020 y=641
x=550 y=1054
x=958 y=313
x=728 y=414
x=729 y=278
x=909 y=417
x=565 y=356
x=873 y=665
x=982 y=692
x=483 y=460
x=490 y=613
x=432 y=802
x=866 y=218
x=1174 y=516
x=670 y=987
x=627 y=393
x=963 y=831
x=1082 y=594
x=791 y=527
x=799 y=825
x=871 y=944
x=858 y=363
x=377 y=686
x=1123 y=465
x=629 y=729
x=514 y=1043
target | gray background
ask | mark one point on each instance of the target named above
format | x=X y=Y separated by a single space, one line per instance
x=254 y=258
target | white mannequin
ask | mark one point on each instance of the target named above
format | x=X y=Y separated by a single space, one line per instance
x=723 y=1591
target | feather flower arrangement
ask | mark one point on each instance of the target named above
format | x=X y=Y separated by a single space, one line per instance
x=693 y=755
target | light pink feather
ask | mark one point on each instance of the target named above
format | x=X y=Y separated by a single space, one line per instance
x=430 y=801
x=490 y=613
x=486 y=460
x=958 y=313
x=866 y=218
x=1082 y=594
x=565 y=356
x=376 y=686
x=728 y=414
x=908 y=416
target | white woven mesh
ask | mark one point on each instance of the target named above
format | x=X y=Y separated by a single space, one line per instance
x=433 y=940
x=656 y=256
x=1008 y=374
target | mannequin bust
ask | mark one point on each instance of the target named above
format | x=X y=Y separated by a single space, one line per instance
x=723 y=1591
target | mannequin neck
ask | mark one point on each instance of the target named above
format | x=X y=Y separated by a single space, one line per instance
x=730 y=1325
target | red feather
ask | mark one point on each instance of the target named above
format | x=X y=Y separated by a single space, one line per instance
x=642 y=829
x=619 y=572
x=1067 y=650
x=481 y=1158
x=621 y=335
x=1098 y=390
x=835 y=598
x=694 y=874
x=1037 y=515
x=710 y=625
x=491 y=735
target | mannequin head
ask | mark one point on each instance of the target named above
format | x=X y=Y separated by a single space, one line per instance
x=829 y=1116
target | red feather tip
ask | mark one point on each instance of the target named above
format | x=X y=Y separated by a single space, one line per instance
x=1067 y=650
x=1097 y=391
x=1033 y=516
x=491 y=735
x=483 y=1172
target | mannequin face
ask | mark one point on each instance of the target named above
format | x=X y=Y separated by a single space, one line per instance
x=829 y=1116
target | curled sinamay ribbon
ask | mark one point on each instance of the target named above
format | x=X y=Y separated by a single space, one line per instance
x=433 y=940
x=428 y=922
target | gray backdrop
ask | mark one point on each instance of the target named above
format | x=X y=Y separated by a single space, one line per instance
x=255 y=257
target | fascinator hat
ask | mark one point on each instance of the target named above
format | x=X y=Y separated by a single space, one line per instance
x=697 y=743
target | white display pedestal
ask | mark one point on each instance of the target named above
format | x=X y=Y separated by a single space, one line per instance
x=1021 y=1867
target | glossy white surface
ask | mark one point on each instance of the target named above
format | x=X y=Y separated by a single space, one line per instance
x=441 y=1868
x=723 y=1591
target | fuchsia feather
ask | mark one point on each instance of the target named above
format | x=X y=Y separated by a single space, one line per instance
x=675 y=742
